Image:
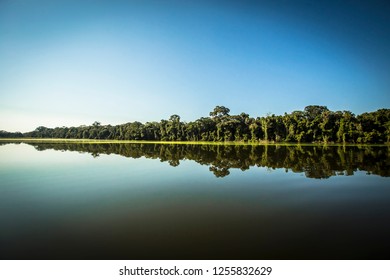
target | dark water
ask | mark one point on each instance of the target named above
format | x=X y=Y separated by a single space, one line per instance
x=150 y=201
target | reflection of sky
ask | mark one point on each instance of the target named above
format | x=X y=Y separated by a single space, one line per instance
x=68 y=178
x=74 y=62
x=123 y=205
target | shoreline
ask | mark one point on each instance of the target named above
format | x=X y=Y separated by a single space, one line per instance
x=110 y=141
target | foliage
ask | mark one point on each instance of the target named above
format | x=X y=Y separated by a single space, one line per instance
x=316 y=124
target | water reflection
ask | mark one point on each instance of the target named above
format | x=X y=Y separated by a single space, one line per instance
x=319 y=162
x=68 y=206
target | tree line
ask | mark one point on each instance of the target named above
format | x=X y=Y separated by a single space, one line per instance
x=315 y=124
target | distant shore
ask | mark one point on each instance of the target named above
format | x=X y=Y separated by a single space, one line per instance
x=103 y=141
x=315 y=124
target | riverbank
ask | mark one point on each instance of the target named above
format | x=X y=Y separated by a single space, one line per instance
x=103 y=141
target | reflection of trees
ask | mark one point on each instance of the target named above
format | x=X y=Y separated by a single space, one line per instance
x=313 y=161
x=219 y=171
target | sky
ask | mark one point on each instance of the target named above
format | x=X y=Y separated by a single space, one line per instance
x=70 y=63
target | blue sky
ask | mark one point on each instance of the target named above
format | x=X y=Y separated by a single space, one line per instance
x=75 y=62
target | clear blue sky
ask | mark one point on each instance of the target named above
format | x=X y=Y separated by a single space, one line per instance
x=76 y=62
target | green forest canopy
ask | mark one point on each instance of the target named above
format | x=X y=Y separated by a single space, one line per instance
x=315 y=124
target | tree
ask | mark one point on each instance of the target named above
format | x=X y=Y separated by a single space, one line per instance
x=313 y=111
x=220 y=111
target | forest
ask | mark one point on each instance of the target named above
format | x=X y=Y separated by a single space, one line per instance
x=315 y=124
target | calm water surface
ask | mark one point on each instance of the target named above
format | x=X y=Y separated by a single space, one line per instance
x=153 y=201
